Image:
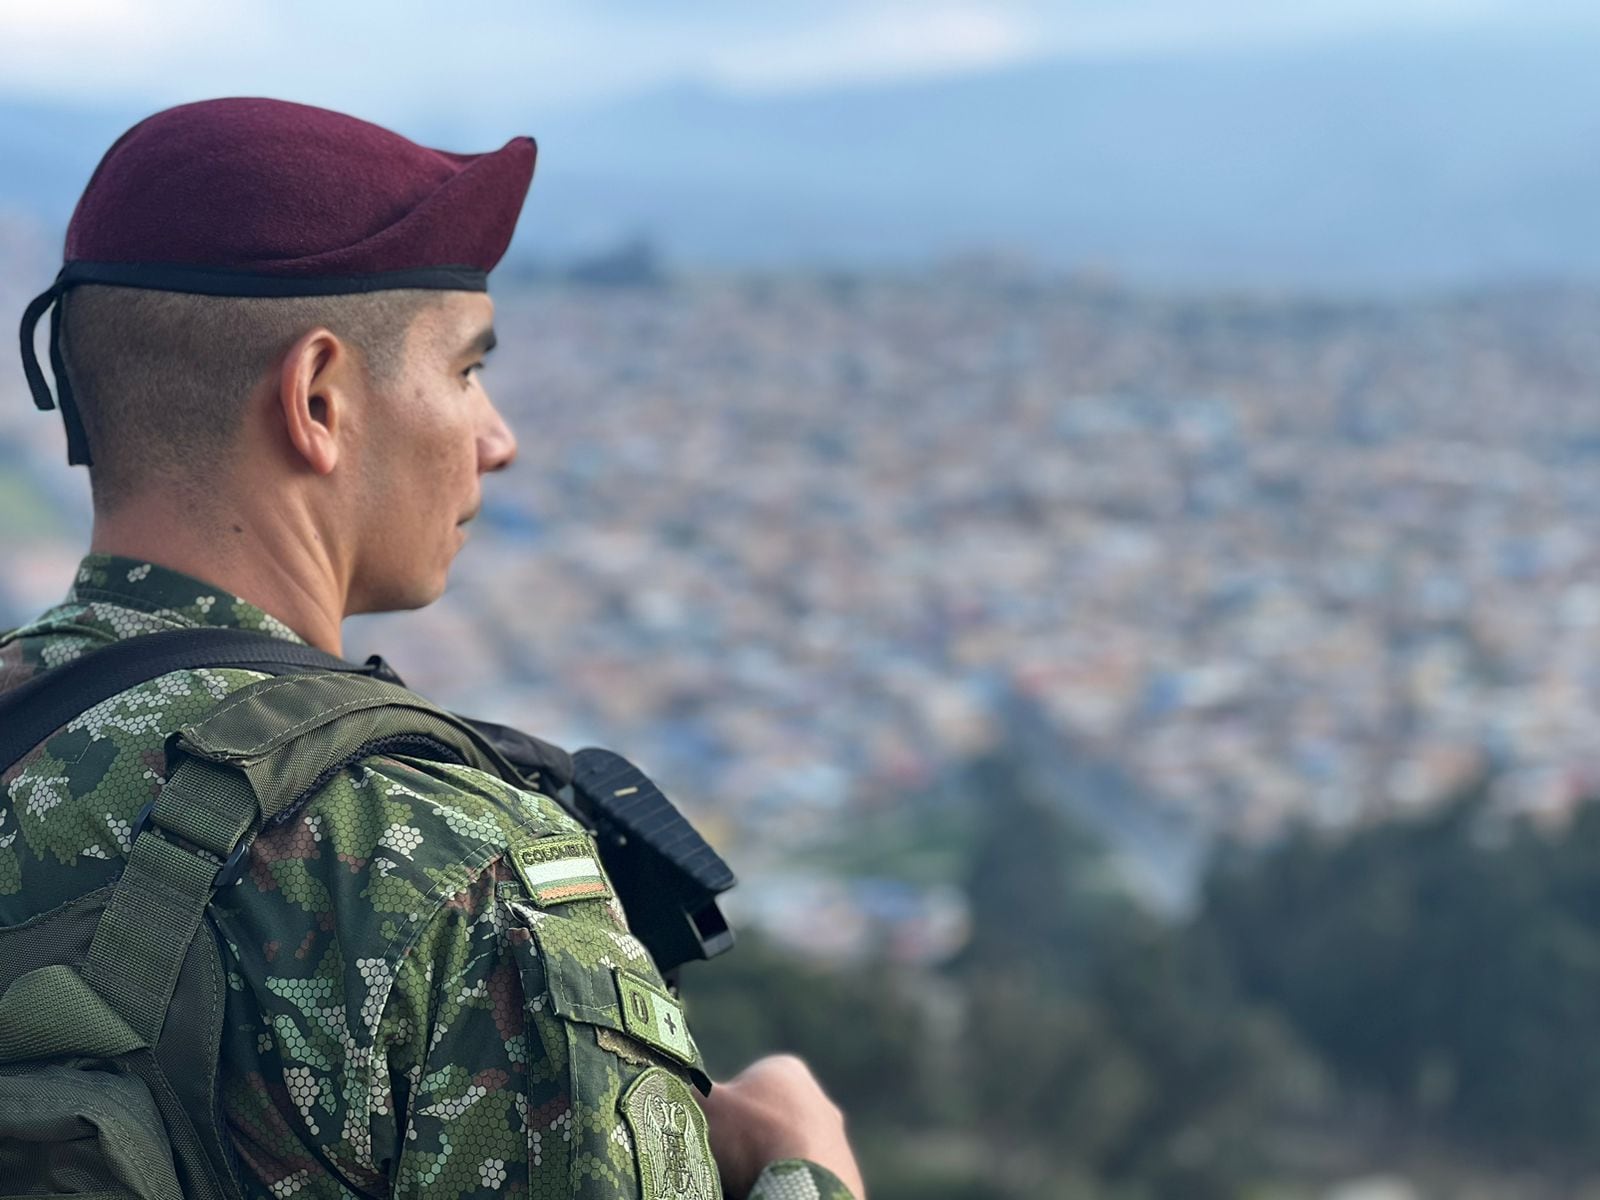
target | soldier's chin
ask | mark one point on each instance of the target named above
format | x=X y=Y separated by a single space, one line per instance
x=435 y=589
x=404 y=595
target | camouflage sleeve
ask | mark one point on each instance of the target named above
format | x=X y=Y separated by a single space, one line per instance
x=796 y=1179
x=533 y=1050
x=458 y=1064
x=434 y=992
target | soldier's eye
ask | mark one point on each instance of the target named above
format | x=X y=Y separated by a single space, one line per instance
x=467 y=374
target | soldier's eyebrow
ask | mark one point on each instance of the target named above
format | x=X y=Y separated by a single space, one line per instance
x=482 y=344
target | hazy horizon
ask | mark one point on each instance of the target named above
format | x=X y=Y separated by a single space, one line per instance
x=1351 y=148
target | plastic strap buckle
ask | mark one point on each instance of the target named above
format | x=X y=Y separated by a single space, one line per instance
x=227 y=874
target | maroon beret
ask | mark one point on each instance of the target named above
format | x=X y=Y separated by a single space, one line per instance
x=257 y=197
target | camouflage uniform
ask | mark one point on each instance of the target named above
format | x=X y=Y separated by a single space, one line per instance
x=410 y=1011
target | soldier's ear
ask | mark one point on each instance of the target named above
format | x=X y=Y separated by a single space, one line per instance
x=315 y=394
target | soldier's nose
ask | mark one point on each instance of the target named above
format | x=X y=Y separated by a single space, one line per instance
x=497 y=449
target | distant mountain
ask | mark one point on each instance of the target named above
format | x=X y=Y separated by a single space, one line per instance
x=1379 y=163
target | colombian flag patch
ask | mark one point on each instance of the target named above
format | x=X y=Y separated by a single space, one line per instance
x=558 y=869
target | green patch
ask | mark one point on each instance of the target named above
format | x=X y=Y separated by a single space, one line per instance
x=85 y=772
x=669 y=1139
x=69 y=745
x=655 y=1018
x=558 y=869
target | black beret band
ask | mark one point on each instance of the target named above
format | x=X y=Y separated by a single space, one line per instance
x=226 y=281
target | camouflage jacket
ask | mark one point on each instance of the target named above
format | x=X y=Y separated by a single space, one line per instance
x=411 y=1011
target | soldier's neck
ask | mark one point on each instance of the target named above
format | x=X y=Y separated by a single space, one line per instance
x=275 y=562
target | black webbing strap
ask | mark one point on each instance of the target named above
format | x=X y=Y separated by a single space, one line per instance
x=32 y=712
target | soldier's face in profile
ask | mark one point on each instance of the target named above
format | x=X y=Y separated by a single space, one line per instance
x=434 y=434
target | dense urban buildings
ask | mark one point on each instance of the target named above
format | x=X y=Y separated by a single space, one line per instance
x=797 y=543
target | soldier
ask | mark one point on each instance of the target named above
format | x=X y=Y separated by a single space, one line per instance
x=266 y=342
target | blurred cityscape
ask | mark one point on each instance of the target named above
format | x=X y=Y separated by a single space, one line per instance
x=800 y=543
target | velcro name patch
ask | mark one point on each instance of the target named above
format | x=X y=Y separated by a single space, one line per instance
x=556 y=870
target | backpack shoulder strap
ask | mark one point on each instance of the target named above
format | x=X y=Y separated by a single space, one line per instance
x=257 y=755
x=289 y=735
x=252 y=760
x=33 y=711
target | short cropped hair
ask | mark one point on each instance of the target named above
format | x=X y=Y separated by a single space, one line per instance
x=161 y=378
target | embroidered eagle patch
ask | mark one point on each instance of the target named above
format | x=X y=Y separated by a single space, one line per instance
x=669 y=1138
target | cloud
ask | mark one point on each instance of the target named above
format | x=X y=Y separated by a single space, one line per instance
x=422 y=63
x=101 y=47
x=871 y=42
x=1109 y=28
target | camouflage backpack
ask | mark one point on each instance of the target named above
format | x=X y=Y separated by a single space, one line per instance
x=111 y=1006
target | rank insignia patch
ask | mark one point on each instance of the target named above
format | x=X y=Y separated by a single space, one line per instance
x=555 y=870
x=669 y=1138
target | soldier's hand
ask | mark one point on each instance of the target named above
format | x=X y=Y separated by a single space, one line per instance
x=772 y=1110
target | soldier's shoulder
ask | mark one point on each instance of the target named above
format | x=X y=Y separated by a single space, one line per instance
x=393 y=838
x=473 y=805
x=69 y=803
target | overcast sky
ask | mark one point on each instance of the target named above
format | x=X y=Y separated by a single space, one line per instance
x=409 y=62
